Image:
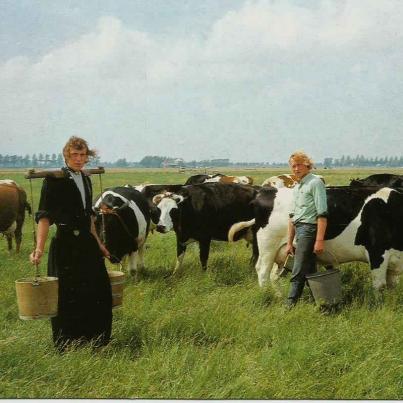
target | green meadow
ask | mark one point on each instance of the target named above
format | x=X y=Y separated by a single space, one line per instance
x=208 y=335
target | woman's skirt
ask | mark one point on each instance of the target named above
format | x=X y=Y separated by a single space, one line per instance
x=85 y=298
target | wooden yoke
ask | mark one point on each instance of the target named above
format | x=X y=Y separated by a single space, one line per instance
x=59 y=173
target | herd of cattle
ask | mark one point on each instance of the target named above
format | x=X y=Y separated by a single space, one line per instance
x=365 y=220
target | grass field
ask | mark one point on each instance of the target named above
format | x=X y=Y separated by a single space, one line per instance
x=213 y=335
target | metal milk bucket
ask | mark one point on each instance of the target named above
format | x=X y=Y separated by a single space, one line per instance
x=37 y=297
x=325 y=286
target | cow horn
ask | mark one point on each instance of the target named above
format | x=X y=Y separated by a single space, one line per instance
x=178 y=198
x=158 y=198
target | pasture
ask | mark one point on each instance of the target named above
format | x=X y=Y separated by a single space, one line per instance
x=208 y=335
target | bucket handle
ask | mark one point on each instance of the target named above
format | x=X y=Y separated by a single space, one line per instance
x=37 y=274
x=118 y=263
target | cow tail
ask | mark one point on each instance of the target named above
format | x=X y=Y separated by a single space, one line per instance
x=238 y=227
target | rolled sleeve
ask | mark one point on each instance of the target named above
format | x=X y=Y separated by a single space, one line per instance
x=320 y=199
x=45 y=203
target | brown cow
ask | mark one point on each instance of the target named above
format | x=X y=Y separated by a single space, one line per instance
x=13 y=202
x=218 y=178
x=284 y=180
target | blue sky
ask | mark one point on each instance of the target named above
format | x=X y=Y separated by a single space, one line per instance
x=245 y=80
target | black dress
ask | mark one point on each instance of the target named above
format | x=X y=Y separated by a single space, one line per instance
x=85 y=298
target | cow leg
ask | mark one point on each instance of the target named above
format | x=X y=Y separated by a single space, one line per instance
x=255 y=250
x=392 y=278
x=9 y=233
x=18 y=231
x=204 y=247
x=18 y=238
x=141 y=257
x=133 y=260
x=379 y=274
x=180 y=254
x=395 y=268
x=9 y=241
x=263 y=267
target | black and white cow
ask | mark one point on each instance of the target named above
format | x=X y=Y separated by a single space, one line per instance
x=363 y=225
x=387 y=180
x=123 y=222
x=204 y=213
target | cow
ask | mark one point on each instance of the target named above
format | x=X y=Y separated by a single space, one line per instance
x=284 y=180
x=389 y=180
x=203 y=213
x=123 y=221
x=13 y=203
x=363 y=225
x=279 y=181
x=218 y=178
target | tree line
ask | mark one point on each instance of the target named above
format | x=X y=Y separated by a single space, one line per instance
x=361 y=161
x=154 y=161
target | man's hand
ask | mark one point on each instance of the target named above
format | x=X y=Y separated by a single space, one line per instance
x=318 y=247
x=290 y=250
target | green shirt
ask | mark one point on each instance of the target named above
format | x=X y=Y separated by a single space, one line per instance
x=309 y=201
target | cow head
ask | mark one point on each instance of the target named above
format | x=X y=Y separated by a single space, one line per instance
x=167 y=203
x=114 y=223
x=244 y=180
x=280 y=181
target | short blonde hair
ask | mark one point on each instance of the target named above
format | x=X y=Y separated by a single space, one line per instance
x=79 y=144
x=301 y=158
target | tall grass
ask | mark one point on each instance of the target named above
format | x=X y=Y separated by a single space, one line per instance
x=210 y=335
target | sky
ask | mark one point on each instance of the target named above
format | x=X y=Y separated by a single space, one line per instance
x=248 y=80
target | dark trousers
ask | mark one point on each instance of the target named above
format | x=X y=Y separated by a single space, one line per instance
x=305 y=259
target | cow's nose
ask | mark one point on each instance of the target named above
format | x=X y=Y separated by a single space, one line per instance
x=161 y=228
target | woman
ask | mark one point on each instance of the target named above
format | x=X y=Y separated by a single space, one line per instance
x=75 y=253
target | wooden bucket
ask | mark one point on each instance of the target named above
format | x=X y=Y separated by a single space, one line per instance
x=37 y=297
x=117 y=279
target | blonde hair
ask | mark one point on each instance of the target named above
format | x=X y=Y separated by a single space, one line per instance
x=79 y=144
x=301 y=158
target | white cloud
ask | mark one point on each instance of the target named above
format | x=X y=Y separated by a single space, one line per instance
x=117 y=76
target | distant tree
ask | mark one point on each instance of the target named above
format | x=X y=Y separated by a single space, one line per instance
x=152 y=161
x=121 y=162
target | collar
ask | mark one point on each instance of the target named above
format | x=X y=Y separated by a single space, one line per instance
x=72 y=172
x=306 y=178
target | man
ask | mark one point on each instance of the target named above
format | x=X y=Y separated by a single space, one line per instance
x=307 y=223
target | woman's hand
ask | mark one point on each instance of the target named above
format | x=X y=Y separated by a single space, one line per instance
x=104 y=251
x=35 y=256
